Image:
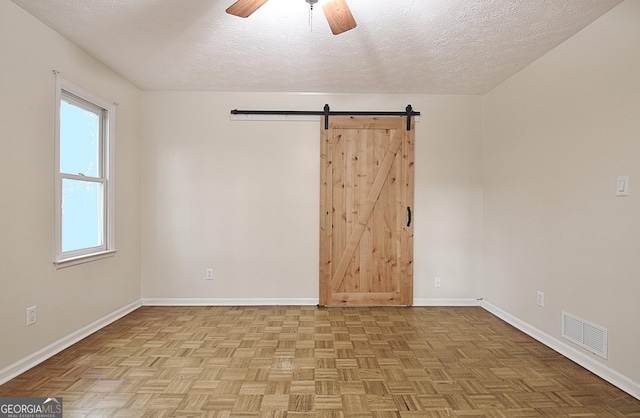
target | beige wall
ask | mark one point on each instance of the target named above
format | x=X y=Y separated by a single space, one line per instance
x=71 y=298
x=556 y=137
x=242 y=197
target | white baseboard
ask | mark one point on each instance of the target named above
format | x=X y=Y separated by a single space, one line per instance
x=39 y=356
x=590 y=363
x=446 y=302
x=228 y=302
x=285 y=302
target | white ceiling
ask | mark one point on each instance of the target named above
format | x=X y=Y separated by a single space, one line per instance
x=399 y=46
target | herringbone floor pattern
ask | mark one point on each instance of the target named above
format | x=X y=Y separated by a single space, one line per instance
x=317 y=362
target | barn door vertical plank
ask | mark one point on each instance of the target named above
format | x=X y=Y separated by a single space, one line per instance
x=365 y=181
x=326 y=214
x=396 y=216
x=351 y=282
x=339 y=236
x=408 y=155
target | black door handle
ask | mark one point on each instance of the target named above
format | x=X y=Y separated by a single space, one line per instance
x=408 y=216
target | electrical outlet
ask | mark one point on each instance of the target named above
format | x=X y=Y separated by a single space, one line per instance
x=209 y=274
x=540 y=299
x=438 y=282
x=31 y=315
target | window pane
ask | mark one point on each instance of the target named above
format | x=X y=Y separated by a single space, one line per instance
x=79 y=140
x=82 y=225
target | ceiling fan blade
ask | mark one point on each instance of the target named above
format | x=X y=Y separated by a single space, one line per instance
x=339 y=16
x=244 y=8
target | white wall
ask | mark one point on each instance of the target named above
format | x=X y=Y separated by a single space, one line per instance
x=242 y=197
x=72 y=298
x=556 y=137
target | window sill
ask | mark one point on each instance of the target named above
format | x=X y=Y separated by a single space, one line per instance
x=82 y=259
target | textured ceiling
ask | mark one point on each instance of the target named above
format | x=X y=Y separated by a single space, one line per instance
x=399 y=46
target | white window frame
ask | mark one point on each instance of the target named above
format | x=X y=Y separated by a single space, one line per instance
x=82 y=98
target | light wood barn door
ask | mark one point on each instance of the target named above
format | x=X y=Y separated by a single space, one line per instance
x=366 y=231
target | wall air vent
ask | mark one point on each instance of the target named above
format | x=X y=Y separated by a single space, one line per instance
x=587 y=335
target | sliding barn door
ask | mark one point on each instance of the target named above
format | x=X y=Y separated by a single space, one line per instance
x=366 y=231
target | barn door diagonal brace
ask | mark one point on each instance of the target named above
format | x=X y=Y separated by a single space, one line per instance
x=327 y=112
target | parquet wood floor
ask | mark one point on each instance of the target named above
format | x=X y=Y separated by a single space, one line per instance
x=276 y=362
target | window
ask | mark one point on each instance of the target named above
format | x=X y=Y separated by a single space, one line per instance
x=84 y=176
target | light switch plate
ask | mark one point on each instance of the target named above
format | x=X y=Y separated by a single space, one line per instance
x=622 y=186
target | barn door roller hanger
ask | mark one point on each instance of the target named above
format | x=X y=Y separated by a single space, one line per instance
x=327 y=112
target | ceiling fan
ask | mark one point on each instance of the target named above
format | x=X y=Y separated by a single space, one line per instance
x=336 y=11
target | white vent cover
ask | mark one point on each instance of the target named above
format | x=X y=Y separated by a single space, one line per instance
x=587 y=335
